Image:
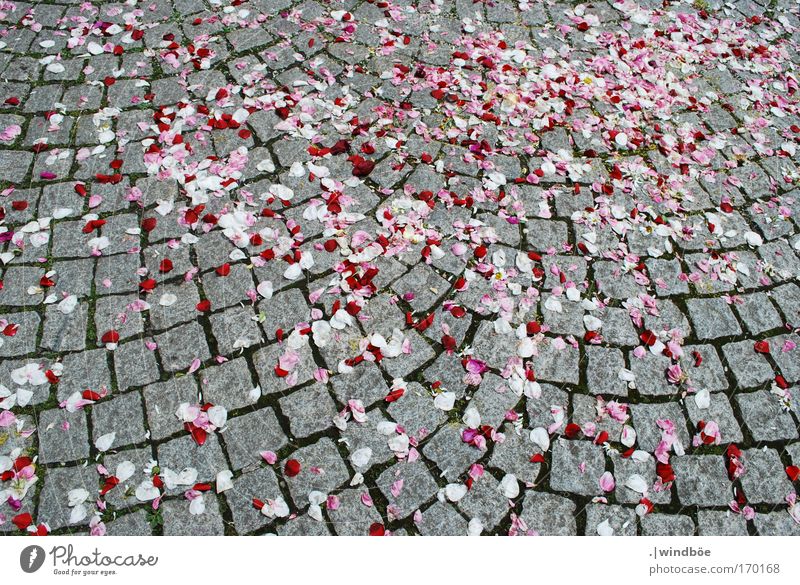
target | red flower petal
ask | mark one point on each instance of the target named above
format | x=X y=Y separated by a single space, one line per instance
x=147 y=285
x=395 y=395
x=110 y=483
x=22 y=521
x=91 y=395
x=149 y=224
x=292 y=468
x=199 y=435
x=111 y=336
x=761 y=346
x=648 y=338
x=665 y=472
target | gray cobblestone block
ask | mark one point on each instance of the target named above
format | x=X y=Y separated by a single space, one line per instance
x=786 y=359
x=304 y=526
x=651 y=374
x=65 y=332
x=283 y=311
x=164 y=262
x=542 y=235
x=720 y=412
x=712 y=318
x=720 y=523
x=407 y=486
x=260 y=484
x=758 y=313
x=493 y=399
x=235 y=328
x=702 y=480
x=621 y=519
x=554 y=365
x=667 y=525
x=576 y=467
x=179 y=521
x=362 y=435
x=353 y=517
x=178 y=347
x=135 y=365
x=122 y=415
x=645 y=422
x=441 y=519
x=322 y=469
x=764 y=480
x=74 y=277
x=785 y=263
x=24 y=342
x=115 y=274
x=17 y=163
x=225 y=291
x=514 y=456
x=448 y=370
x=117 y=313
x=133 y=524
x=787 y=297
x=491 y=347
x=265 y=360
x=709 y=374
x=309 y=410
x=602 y=371
x=248 y=435
x=613 y=283
x=669 y=318
x=60 y=195
x=87 y=370
x=624 y=468
x=585 y=411
x=664 y=274
x=617 y=327
x=421 y=353
x=539 y=414
x=184 y=309
x=415 y=410
x=568 y=322
x=207 y=459
x=228 y=384
x=123 y=496
x=794 y=453
x=486 y=502
x=451 y=455
x=53 y=501
x=16 y=282
x=162 y=401
x=776 y=524
x=63 y=436
x=548 y=514
x=364 y=383
x=764 y=417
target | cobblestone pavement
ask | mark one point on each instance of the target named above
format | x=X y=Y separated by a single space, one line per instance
x=386 y=267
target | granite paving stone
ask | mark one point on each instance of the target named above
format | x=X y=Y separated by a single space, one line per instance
x=365 y=249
